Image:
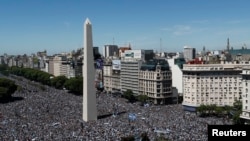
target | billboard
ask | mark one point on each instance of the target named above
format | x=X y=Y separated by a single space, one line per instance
x=116 y=64
x=137 y=54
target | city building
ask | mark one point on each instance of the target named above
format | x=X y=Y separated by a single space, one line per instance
x=130 y=66
x=122 y=50
x=207 y=84
x=245 y=93
x=60 y=65
x=107 y=75
x=110 y=50
x=189 y=53
x=129 y=75
x=155 y=81
x=176 y=65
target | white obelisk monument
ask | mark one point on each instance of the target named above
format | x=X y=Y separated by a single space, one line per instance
x=89 y=91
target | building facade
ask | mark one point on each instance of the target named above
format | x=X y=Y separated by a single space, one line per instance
x=129 y=75
x=189 y=53
x=110 y=50
x=155 y=81
x=207 y=84
x=245 y=93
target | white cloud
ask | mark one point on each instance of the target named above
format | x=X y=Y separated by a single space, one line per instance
x=181 y=30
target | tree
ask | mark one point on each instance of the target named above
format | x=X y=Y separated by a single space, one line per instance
x=74 y=85
x=202 y=110
x=4 y=69
x=129 y=95
x=7 y=88
x=237 y=110
x=218 y=111
x=142 y=98
x=58 y=82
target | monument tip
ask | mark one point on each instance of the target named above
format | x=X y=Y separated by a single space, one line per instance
x=87 y=21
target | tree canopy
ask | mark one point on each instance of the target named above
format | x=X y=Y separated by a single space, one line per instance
x=7 y=88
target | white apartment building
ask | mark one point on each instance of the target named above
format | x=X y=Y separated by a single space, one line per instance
x=176 y=76
x=155 y=81
x=245 y=93
x=59 y=65
x=208 y=84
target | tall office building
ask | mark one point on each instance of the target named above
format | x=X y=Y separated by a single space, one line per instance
x=89 y=91
x=228 y=44
x=110 y=51
x=189 y=53
x=129 y=75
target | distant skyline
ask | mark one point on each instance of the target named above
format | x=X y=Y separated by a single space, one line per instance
x=29 y=26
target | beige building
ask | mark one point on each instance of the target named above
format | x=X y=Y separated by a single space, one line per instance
x=207 y=84
x=60 y=65
x=245 y=93
x=155 y=81
x=107 y=73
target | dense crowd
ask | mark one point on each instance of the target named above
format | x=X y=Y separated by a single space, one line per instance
x=53 y=114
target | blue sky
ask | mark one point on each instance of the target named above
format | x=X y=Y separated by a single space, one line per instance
x=28 y=26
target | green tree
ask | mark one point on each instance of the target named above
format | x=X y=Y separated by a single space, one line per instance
x=202 y=110
x=218 y=111
x=4 y=69
x=129 y=95
x=7 y=88
x=237 y=110
x=58 y=82
x=74 y=85
x=142 y=98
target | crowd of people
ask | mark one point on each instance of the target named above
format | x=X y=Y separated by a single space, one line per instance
x=52 y=114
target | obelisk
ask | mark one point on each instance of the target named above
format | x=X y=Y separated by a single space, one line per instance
x=89 y=91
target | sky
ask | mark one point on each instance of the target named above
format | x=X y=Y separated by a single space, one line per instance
x=29 y=26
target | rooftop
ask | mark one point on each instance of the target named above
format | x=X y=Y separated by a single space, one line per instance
x=151 y=64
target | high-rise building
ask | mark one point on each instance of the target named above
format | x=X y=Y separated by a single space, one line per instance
x=60 y=65
x=89 y=91
x=110 y=51
x=228 y=44
x=129 y=75
x=189 y=53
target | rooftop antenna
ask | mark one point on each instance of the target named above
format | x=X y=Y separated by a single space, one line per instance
x=113 y=41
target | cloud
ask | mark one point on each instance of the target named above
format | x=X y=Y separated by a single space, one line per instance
x=181 y=30
x=233 y=32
